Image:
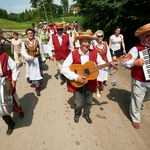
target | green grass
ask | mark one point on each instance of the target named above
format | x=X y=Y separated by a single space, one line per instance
x=7 y=24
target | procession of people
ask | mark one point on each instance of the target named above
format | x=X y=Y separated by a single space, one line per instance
x=76 y=53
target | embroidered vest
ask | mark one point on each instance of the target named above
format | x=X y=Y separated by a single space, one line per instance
x=34 y=49
x=137 y=72
x=92 y=84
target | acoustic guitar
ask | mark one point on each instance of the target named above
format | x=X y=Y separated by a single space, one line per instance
x=90 y=70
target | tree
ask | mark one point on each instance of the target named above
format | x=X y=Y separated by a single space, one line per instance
x=43 y=6
x=3 y=14
x=107 y=14
x=65 y=5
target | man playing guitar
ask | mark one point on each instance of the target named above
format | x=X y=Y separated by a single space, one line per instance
x=82 y=95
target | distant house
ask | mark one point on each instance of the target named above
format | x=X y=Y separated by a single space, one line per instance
x=75 y=9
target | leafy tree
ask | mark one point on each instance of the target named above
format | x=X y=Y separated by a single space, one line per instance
x=107 y=14
x=65 y=5
x=3 y=14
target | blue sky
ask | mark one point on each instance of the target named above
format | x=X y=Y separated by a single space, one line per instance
x=17 y=6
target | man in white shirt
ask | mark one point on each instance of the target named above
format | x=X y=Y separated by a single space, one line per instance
x=140 y=85
x=82 y=95
x=9 y=69
x=61 y=44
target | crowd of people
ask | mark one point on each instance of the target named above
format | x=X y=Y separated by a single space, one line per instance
x=72 y=48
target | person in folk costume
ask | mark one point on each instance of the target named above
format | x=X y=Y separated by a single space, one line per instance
x=73 y=32
x=76 y=33
x=9 y=69
x=140 y=87
x=32 y=50
x=82 y=96
x=16 y=48
x=51 y=30
x=44 y=37
x=40 y=27
x=102 y=48
x=61 y=44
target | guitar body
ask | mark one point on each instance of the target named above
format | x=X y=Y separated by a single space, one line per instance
x=89 y=70
x=84 y=70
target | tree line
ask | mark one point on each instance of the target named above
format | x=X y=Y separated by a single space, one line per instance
x=107 y=14
x=96 y=14
x=41 y=10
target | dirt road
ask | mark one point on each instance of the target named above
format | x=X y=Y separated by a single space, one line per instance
x=48 y=123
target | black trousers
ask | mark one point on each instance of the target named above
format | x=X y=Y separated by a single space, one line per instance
x=117 y=53
x=8 y=120
x=82 y=101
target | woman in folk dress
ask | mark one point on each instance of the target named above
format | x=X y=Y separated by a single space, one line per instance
x=33 y=53
x=102 y=48
x=16 y=48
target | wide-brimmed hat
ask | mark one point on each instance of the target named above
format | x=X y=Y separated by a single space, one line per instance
x=85 y=35
x=142 y=30
x=59 y=25
x=51 y=24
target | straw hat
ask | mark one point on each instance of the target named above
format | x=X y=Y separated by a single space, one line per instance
x=59 y=25
x=142 y=30
x=51 y=24
x=85 y=35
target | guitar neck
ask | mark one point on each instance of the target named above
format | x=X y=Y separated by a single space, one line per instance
x=99 y=67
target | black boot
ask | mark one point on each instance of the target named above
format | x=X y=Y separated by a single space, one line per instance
x=29 y=81
x=63 y=79
x=8 y=120
x=38 y=91
x=10 y=128
x=88 y=119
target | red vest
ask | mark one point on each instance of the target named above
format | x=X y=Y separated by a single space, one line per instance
x=137 y=72
x=4 y=61
x=92 y=84
x=61 y=51
x=102 y=52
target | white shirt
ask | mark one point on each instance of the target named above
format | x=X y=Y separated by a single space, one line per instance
x=116 y=42
x=11 y=65
x=84 y=58
x=51 y=45
x=134 y=52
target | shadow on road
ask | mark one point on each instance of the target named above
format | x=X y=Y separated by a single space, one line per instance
x=122 y=97
x=71 y=102
x=46 y=77
x=28 y=103
x=44 y=67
